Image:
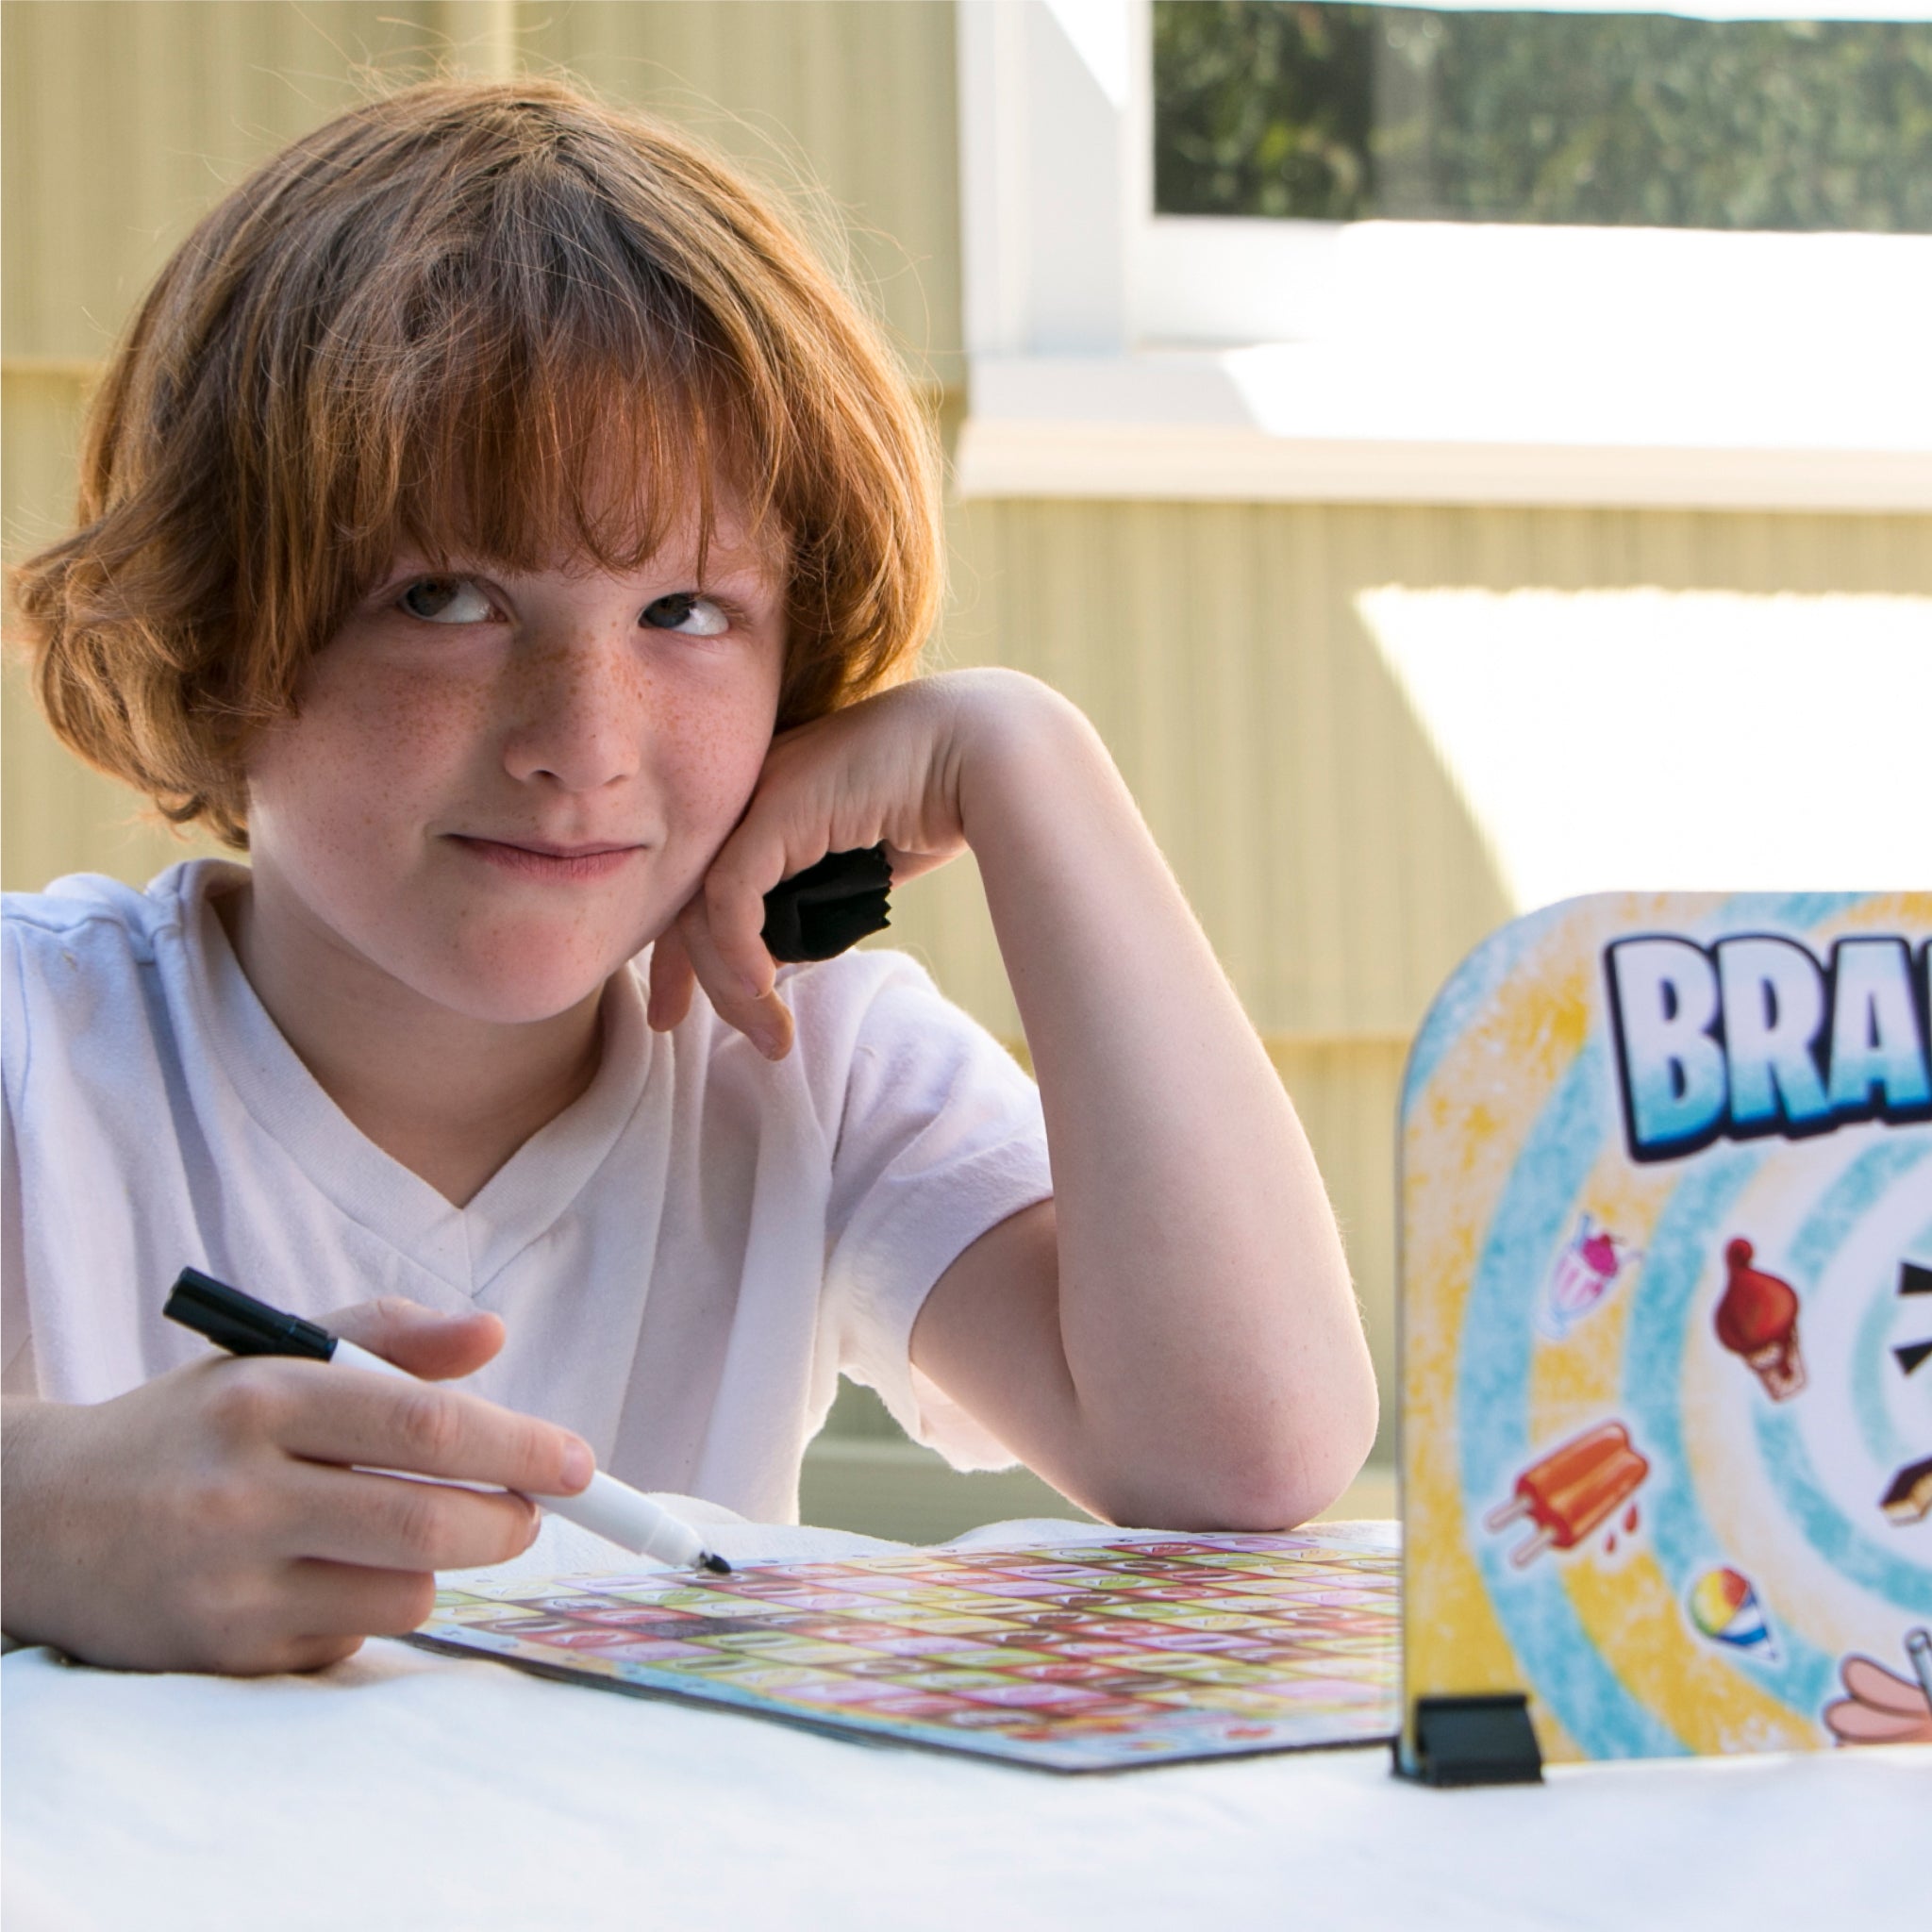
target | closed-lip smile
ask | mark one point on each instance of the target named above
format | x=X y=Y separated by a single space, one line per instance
x=541 y=859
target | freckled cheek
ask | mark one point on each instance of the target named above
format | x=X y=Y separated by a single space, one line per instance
x=433 y=722
x=361 y=750
x=712 y=755
x=414 y=720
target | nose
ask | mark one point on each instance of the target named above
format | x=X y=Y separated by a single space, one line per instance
x=576 y=713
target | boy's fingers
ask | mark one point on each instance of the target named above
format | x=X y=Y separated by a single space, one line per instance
x=731 y=902
x=353 y=1416
x=740 y=999
x=436 y=1347
x=671 y=982
x=389 y=1523
x=354 y=1600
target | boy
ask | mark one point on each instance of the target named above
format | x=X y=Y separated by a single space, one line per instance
x=500 y=525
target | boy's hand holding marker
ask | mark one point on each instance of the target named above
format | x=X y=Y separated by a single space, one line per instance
x=224 y=1503
x=247 y=1327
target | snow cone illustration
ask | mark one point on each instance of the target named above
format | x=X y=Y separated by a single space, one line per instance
x=1584 y=1275
x=1757 y=1318
x=1724 y=1607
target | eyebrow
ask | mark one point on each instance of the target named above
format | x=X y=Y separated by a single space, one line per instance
x=726 y=565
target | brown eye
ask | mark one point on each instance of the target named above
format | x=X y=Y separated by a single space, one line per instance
x=688 y=614
x=445 y=600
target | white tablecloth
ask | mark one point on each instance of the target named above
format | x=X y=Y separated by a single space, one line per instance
x=407 y=1789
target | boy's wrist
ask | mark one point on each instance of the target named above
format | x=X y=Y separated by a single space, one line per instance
x=29 y=1431
x=1017 y=746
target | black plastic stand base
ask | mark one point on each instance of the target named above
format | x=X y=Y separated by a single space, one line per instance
x=1473 y=1741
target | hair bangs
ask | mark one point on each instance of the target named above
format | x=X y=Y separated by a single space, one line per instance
x=545 y=394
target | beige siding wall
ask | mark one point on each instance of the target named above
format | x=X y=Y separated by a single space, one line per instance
x=124 y=118
x=852 y=100
x=122 y=121
x=1218 y=647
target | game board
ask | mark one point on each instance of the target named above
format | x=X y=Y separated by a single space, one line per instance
x=1079 y=1658
x=1667 y=1325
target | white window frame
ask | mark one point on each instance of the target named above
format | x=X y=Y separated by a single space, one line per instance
x=1115 y=353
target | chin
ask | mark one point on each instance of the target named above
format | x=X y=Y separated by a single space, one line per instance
x=523 y=990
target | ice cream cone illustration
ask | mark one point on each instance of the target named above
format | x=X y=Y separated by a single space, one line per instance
x=1568 y=1492
x=1757 y=1318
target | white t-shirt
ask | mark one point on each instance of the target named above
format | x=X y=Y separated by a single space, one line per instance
x=685 y=1260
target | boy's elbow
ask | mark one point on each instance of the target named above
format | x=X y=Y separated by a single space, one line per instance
x=1264 y=1480
x=1315 y=1447
x=1317 y=1478
x=1299 y=1481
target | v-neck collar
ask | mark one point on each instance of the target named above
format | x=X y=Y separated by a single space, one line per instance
x=464 y=1246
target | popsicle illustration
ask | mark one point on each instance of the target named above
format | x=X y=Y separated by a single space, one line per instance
x=1757 y=1318
x=1567 y=1493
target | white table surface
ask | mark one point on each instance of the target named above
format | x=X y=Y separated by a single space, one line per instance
x=403 y=1788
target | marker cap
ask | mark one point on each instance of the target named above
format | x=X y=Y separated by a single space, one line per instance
x=239 y=1323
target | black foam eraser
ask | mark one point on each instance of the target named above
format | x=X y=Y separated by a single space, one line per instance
x=817 y=913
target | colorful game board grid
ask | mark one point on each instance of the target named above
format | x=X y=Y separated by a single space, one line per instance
x=1116 y=1654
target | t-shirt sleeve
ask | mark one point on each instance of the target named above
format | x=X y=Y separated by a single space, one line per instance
x=940 y=1138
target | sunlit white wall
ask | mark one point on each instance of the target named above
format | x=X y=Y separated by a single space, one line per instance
x=1666 y=740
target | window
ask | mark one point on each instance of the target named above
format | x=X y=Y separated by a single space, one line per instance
x=1354 y=112
x=1527 y=342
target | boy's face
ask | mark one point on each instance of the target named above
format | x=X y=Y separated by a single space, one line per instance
x=497 y=788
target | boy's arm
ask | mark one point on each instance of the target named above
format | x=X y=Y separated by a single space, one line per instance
x=1174 y=1340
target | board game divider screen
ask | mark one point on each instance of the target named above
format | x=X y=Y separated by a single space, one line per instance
x=1666 y=1310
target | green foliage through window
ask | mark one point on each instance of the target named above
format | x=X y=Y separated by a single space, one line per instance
x=1284 y=108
